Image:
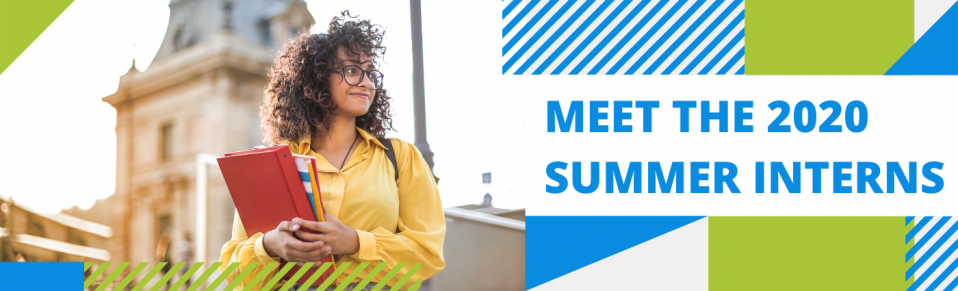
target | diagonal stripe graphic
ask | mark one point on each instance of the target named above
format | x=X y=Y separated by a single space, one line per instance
x=723 y=52
x=149 y=276
x=319 y=272
x=222 y=277
x=96 y=274
x=249 y=275
x=565 y=25
x=735 y=58
x=168 y=276
x=535 y=37
x=332 y=277
x=242 y=275
x=297 y=275
x=718 y=39
x=129 y=277
x=362 y=284
x=911 y=234
x=934 y=266
x=202 y=278
x=571 y=38
x=116 y=272
x=186 y=276
x=508 y=9
x=588 y=40
x=695 y=25
x=628 y=36
x=930 y=267
x=668 y=33
x=614 y=33
x=412 y=271
x=921 y=242
x=945 y=273
x=259 y=277
x=389 y=276
x=359 y=269
x=636 y=37
x=525 y=28
x=703 y=36
x=279 y=275
x=522 y=13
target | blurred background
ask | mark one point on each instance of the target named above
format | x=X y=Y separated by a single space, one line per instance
x=131 y=101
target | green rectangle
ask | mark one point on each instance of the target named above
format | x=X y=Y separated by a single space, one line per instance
x=826 y=37
x=806 y=253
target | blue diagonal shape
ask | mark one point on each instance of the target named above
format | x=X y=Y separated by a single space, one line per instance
x=708 y=49
x=944 y=274
x=547 y=236
x=535 y=37
x=941 y=259
x=953 y=285
x=628 y=35
x=665 y=36
x=911 y=233
x=518 y=18
x=721 y=54
x=731 y=62
x=741 y=71
x=588 y=39
x=572 y=37
x=705 y=33
x=525 y=28
x=935 y=53
x=612 y=34
x=645 y=38
x=920 y=243
x=908 y=219
x=678 y=42
x=562 y=28
x=934 y=248
x=512 y=5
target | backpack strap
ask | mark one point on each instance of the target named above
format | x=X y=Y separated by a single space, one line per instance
x=391 y=154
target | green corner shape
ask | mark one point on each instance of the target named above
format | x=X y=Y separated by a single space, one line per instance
x=826 y=37
x=21 y=22
x=806 y=253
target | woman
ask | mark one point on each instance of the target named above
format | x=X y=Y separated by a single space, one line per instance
x=325 y=99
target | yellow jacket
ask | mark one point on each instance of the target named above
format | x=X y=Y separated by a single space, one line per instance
x=397 y=220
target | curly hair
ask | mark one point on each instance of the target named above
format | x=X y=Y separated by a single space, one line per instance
x=297 y=101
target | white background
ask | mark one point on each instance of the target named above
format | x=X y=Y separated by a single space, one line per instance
x=910 y=119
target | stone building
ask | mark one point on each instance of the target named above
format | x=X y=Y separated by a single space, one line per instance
x=31 y=236
x=201 y=94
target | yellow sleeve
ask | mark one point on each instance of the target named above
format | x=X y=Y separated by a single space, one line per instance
x=422 y=225
x=244 y=250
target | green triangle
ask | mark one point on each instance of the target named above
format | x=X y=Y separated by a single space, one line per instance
x=21 y=22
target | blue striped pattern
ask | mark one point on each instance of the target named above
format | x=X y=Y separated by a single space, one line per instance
x=934 y=253
x=627 y=37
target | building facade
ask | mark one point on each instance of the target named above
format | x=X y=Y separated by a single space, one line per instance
x=201 y=94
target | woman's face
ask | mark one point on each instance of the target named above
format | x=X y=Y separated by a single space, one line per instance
x=352 y=100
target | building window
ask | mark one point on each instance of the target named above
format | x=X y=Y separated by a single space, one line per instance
x=166 y=142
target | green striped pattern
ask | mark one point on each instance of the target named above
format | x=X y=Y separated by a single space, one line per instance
x=120 y=276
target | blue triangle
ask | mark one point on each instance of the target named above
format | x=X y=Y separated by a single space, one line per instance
x=935 y=53
x=558 y=245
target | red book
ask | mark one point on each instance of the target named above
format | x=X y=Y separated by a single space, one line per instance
x=267 y=189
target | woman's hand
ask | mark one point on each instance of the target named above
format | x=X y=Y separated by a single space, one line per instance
x=343 y=239
x=280 y=242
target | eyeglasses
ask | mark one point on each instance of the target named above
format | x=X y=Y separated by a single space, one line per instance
x=354 y=76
